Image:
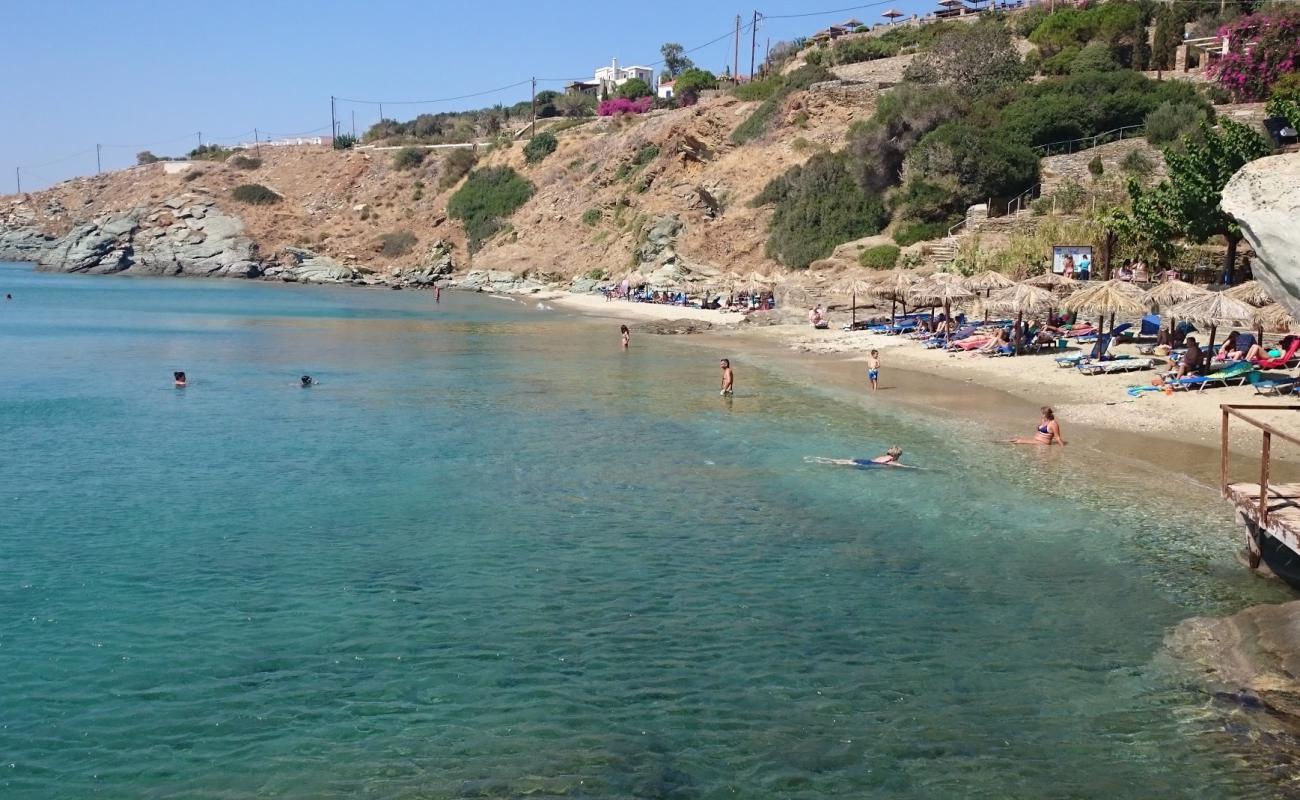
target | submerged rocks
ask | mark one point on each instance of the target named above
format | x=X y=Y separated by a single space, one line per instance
x=1264 y=197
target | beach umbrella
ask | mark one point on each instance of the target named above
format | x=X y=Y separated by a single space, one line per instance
x=1170 y=293
x=1108 y=298
x=1061 y=284
x=852 y=284
x=1214 y=309
x=1021 y=299
x=1251 y=292
x=943 y=289
x=988 y=282
x=893 y=285
x=1275 y=317
x=891 y=14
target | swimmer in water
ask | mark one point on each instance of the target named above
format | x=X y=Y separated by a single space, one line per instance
x=889 y=459
x=307 y=381
x=728 y=379
x=627 y=336
x=178 y=378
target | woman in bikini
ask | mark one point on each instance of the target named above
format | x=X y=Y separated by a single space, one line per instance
x=1048 y=433
x=627 y=336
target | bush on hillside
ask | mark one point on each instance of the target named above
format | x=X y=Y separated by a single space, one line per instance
x=689 y=84
x=904 y=115
x=255 y=194
x=1113 y=23
x=455 y=166
x=487 y=197
x=210 y=152
x=948 y=60
x=146 y=157
x=1061 y=63
x=591 y=217
x=914 y=232
x=1263 y=47
x=822 y=207
x=1137 y=163
x=1171 y=121
x=395 y=244
x=345 y=141
x=409 y=158
x=1095 y=57
x=882 y=256
x=759 y=89
x=539 y=147
x=634 y=89
x=966 y=165
x=1096 y=168
x=621 y=105
x=758 y=122
x=244 y=162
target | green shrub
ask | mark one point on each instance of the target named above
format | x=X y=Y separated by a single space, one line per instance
x=210 y=152
x=344 y=141
x=1026 y=21
x=690 y=83
x=397 y=243
x=1095 y=167
x=760 y=89
x=958 y=164
x=539 y=147
x=591 y=217
x=409 y=158
x=914 y=232
x=882 y=256
x=821 y=207
x=758 y=122
x=1061 y=63
x=1095 y=57
x=486 y=198
x=1137 y=163
x=634 y=89
x=1170 y=121
x=244 y=162
x=1284 y=99
x=255 y=194
x=455 y=166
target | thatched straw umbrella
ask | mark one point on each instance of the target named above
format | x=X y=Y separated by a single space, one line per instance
x=944 y=291
x=1252 y=293
x=1056 y=283
x=1214 y=309
x=852 y=284
x=988 y=282
x=893 y=286
x=1108 y=298
x=1167 y=294
x=1275 y=317
x=1021 y=299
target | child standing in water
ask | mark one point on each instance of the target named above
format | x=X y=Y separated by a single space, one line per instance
x=627 y=336
x=873 y=369
x=728 y=379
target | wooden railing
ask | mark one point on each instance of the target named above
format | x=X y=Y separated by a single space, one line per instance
x=1266 y=450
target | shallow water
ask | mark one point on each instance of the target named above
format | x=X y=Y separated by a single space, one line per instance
x=491 y=555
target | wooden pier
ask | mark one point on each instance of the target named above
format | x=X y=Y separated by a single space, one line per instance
x=1266 y=509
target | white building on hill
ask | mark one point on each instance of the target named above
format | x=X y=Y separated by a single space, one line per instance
x=610 y=78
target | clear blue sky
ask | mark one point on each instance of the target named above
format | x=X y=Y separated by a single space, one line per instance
x=136 y=74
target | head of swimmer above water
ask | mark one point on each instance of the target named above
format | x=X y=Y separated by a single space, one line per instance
x=307 y=381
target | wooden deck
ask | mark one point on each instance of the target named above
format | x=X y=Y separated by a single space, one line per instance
x=1282 y=519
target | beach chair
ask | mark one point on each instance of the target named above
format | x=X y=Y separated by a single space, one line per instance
x=1115 y=333
x=1275 y=387
x=1236 y=372
x=1119 y=364
x=970 y=343
x=1283 y=361
x=964 y=332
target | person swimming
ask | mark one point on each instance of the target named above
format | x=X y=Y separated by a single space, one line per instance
x=307 y=381
x=178 y=378
x=889 y=459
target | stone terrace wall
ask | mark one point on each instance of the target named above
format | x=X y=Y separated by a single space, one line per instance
x=1074 y=166
x=882 y=71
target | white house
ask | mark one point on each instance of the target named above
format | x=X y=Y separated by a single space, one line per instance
x=666 y=90
x=611 y=77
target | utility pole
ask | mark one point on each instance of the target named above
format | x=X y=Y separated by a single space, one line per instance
x=753 y=44
x=18 y=172
x=334 y=125
x=200 y=134
x=735 y=64
x=354 y=123
x=99 y=166
x=381 y=112
x=257 y=146
x=533 y=130
x=767 y=54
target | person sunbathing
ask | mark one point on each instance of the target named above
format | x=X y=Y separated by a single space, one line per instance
x=1230 y=351
x=1192 y=362
x=999 y=341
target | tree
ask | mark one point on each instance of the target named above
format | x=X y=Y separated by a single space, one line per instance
x=691 y=82
x=952 y=58
x=1170 y=19
x=146 y=157
x=1095 y=57
x=819 y=206
x=1197 y=176
x=634 y=89
x=1262 y=48
x=675 y=62
x=576 y=104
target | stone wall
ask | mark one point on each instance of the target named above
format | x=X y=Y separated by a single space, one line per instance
x=1057 y=170
x=881 y=72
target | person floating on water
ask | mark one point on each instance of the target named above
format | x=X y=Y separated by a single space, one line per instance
x=1048 y=433
x=889 y=459
x=307 y=381
x=627 y=335
x=178 y=378
x=873 y=369
x=728 y=379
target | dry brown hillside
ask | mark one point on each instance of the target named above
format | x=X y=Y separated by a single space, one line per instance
x=339 y=203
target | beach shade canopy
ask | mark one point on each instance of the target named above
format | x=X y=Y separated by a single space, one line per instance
x=1252 y=293
x=940 y=289
x=1108 y=298
x=853 y=284
x=891 y=14
x=1214 y=309
x=1061 y=284
x=634 y=280
x=1020 y=299
x=1170 y=293
x=1275 y=317
x=893 y=285
x=988 y=281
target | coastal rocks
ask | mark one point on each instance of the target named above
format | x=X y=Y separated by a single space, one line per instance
x=306 y=266
x=23 y=244
x=198 y=241
x=674 y=327
x=659 y=239
x=438 y=263
x=1264 y=198
x=499 y=282
x=585 y=285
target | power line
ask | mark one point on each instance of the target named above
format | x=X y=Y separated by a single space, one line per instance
x=524 y=82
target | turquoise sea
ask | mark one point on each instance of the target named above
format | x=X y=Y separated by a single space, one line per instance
x=492 y=555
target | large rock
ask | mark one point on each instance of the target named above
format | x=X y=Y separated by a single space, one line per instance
x=23 y=244
x=308 y=267
x=438 y=263
x=1264 y=197
x=499 y=282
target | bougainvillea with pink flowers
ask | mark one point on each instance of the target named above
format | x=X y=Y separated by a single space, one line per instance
x=1261 y=48
x=621 y=105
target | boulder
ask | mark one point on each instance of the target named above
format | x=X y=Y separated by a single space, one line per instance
x=308 y=267
x=1264 y=198
x=499 y=282
x=585 y=285
x=23 y=244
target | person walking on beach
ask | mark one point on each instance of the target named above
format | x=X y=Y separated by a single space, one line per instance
x=873 y=369
x=627 y=336
x=728 y=379
x=1048 y=433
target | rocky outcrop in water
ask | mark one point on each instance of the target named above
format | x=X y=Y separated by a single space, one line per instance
x=300 y=265
x=23 y=244
x=1264 y=198
x=436 y=265
x=499 y=282
x=186 y=236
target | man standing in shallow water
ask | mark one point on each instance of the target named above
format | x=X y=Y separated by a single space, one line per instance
x=728 y=378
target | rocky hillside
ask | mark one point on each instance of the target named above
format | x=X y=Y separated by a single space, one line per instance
x=667 y=186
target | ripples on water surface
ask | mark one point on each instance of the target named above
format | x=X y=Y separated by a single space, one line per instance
x=493 y=556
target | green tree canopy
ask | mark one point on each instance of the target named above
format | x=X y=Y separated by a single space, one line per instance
x=690 y=83
x=972 y=58
x=634 y=89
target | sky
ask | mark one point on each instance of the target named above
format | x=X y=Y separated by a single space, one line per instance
x=136 y=75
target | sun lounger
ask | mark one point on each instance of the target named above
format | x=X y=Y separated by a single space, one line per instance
x=1118 y=365
x=973 y=343
x=1117 y=331
x=1271 y=386
x=1283 y=361
x=1236 y=372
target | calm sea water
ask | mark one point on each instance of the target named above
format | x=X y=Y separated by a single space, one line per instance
x=491 y=555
